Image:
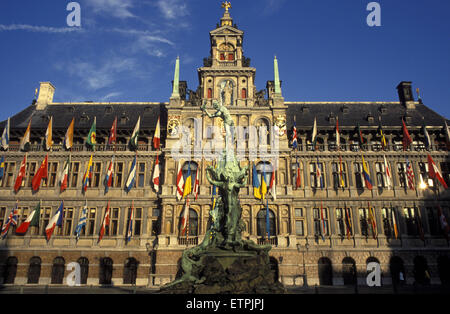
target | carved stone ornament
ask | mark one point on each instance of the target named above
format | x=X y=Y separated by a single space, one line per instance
x=280 y=124
x=173 y=126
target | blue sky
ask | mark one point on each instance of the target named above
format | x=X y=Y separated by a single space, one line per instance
x=125 y=50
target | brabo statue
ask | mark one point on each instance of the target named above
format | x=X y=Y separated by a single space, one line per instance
x=224 y=262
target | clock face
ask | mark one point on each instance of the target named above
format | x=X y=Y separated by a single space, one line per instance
x=173 y=127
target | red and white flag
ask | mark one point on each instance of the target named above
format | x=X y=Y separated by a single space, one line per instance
x=156 y=173
x=113 y=133
x=272 y=187
x=64 y=178
x=105 y=224
x=388 y=173
x=185 y=218
x=410 y=175
x=21 y=175
x=40 y=174
x=434 y=173
x=180 y=182
x=157 y=136
x=109 y=175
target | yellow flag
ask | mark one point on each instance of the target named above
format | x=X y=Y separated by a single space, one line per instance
x=263 y=188
x=48 y=135
x=187 y=185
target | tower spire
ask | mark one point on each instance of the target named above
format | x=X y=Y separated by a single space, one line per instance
x=277 y=77
x=176 y=80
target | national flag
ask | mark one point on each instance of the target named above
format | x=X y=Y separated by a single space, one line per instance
x=360 y=135
x=185 y=218
x=87 y=175
x=25 y=143
x=314 y=135
x=81 y=222
x=109 y=175
x=298 y=177
x=135 y=135
x=157 y=136
x=57 y=220
x=105 y=224
x=443 y=222
x=338 y=136
x=11 y=220
x=387 y=169
x=5 y=136
x=2 y=167
x=407 y=140
x=366 y=174
x=319 y=174
x=130 y=223
x=383 y=138
x=32 y=220
x=294 y=136
x=64 y=177
x=21 y=174
x=267 y=219
x=348 y=222
x=40 y=174
x=263 y=184
x=410 y=174
x=272 y=185
x=341 y=173
x=68 y=138
x=323 y=229
x=394 y=222
x=131 y=176
x=434 y=173
x=113 y=133
x=426 y=136
x=196 y=185
x=418 y=216
x=180 y=182
x=49 y=135
x=92 y=135
x=156 y=174
x=256 y=183
x=187 y=189
x=372 y=221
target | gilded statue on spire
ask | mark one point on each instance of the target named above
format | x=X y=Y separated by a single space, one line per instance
x=226 y=5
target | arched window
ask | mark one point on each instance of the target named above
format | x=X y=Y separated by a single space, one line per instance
x=192 y=226
x=34 y=270
x=264 y=169
x=84 y=269
x=397 y=270
x=58 y=270
x=325 y=270
x=130 y=271
x=190 y=167
x=10 y=271
x=106 y=270
x=265 y=224
x=421 y=272
x=443 y=264
x=244 y=93
x=349 y=271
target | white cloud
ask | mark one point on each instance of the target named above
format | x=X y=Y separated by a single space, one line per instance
x=40 y=29
x=116 y=8
x=99 y=76
x=172 y=9
x=109 y=96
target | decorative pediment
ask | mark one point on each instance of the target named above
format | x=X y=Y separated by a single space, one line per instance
x=226 y=30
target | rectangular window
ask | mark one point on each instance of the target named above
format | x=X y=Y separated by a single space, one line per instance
x=74 y=173
x=114 y=222
x=156 y=221
x=8 y=176
x=136 y=221
x=90 y=224
x=340 y=222
x=401 y=171
x=388 y=222
x=118 y=174
x=320 y=218
x=96 y=172
x=67 y=221
x=50 y=181
x=365 y=223
x=23 y=214
x=423 y=175
x=360 y=183
x=31 y=170
x=141 y=174
x=299 y=222
x=380 y=170
x=316 y=169
x=339 y=173
x=2 y=215
x=410 y=221
x=45 y=218
x=445 y=171
x=433 y=221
